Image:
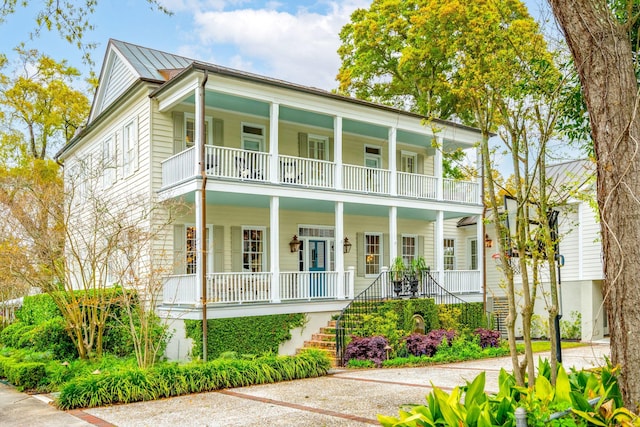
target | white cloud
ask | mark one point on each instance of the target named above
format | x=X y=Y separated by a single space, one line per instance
x=298 y=46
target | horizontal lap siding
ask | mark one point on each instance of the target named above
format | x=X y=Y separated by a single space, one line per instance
x=592 y=268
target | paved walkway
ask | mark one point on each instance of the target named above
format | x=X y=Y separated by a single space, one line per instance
x=345 y=398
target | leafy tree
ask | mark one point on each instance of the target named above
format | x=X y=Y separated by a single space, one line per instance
x=42 y=102
x=603 y=40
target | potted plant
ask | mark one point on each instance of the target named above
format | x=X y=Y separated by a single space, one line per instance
x=418 y=267
x=397 y=275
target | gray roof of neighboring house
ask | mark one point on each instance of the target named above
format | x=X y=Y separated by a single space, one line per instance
x=571 y=176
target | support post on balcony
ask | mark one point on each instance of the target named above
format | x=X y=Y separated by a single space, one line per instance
x=351 y=288
x=439 y=246
x=338 y=247
x=438 y=169
x=273 y=142
x=393 y=180
x=393 y=233
x=337 y=151
x=274 y=248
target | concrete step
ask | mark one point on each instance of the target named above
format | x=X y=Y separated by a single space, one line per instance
x=323 y=336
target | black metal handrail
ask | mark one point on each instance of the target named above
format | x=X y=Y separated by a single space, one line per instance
x=389 y=285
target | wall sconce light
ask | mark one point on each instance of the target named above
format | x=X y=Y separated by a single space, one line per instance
x=346 y=247
x=294 y=244
x=488 y=243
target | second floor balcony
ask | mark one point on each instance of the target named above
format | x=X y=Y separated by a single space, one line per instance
x=259 y=167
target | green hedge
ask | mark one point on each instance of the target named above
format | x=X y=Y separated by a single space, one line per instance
x=37 y=309
x=244 y=335
x=134 y=384
x=22 y=374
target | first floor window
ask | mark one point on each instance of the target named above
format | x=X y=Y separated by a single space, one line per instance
x=253 y=249
x=449 y=254
x=408 y=249
x=191 y=249
x=473 y=254
x=373 y=253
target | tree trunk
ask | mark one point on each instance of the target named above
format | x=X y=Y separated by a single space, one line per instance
x=602 y=52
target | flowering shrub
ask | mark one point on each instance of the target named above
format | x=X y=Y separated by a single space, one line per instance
x=372 y=348
x=427 y=345
x=488 y=337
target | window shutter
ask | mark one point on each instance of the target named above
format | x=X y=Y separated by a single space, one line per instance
x=420 y=251
x=420 y=164
x=218 y=248
x=360 y=254
x=303 y=150
x=178 y=132
x=331 y=149
x=236 y=249
x=385 y=251
x=218 y=132
x=179 y=249
x=399 y=250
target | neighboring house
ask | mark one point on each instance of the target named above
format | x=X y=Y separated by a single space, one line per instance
x=580 y=246
x=309 y=195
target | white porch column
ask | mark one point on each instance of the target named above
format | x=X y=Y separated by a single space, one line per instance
x=439 y=246
x=393 y=234
x=274 y=247
x=392 y=161
x=384 y=283
x=351 y=287
x=480 y=250
x=437 y=168
x=200 y=220
x=338 y=247
x=273 y=141
x=337 y=150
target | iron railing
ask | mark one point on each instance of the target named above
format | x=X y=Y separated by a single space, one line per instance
x=387 y=286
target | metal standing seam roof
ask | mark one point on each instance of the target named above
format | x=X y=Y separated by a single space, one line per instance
x=147 y=62
x=571 y=175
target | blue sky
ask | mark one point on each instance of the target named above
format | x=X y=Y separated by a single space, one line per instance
x=291 y=40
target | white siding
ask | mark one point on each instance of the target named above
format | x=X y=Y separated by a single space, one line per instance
x=592 y=267
x=119 y=79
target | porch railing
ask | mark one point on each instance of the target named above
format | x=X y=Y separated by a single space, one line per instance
x=239 y=288
x=419 y=186
x=461 y=281
x=179 y=167
x=461 y=191
x=244 y=165
x=366 y=180
x=306 y=172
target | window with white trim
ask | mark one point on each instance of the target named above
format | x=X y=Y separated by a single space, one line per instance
x=318 y=147
x=449 y=254
x=372 y=156
x=473 y=253
x=190 y=130
x=409 y=248
x=253 y=249
x=408 y=162
x=253 y=137
x=372 y=253
x=130 y=148
x=108 y=161
x=191 y=249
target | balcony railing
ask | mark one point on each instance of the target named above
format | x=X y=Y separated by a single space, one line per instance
x=243 y=165
x=240 y=288
x=461 y=281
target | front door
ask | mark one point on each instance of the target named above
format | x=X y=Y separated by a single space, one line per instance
x=317 y=265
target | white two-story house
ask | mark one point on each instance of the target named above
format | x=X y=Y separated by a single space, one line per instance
x=580 y=270
x=308 y=195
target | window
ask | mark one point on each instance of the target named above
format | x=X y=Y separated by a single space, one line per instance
x=372 y=253
x=408 y=162
x=253 y=249
x=191 y=250
x=372 y=157
x=318 y=147
x=473 y=254
x=408 y=249
x=190 y=130
x=449 y=254
x=129 y=148
x=253 y=137
x=108 y=161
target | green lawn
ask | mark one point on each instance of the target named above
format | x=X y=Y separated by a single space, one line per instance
x=539 y=346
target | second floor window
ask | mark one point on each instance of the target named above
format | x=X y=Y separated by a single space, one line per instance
x=318 y=147
x=190 y=130
x=253 y=137
x=129 y=148
x=373 y=253
x=408 y=162
x=108 y=161
x=449 y=254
